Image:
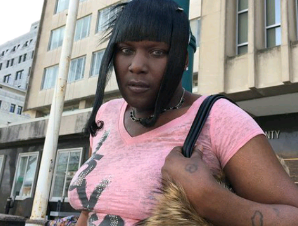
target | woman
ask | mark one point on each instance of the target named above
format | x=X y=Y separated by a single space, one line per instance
x=136 y=140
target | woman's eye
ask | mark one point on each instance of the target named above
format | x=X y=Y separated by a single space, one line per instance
x=158 y=53
x=127 y=51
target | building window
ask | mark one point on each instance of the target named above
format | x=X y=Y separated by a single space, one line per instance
x=20 y=58
x=273 y=18
x=12 y=108
x=242 y=27
x=0 y=66
x=11 y=62
x=195 y=26
x=76 y=69
x=104 y=16
x=7 y=64
x=19 y=75
x=25 y=56
x=25 y=175
x=19 y=110
x=96 y=62
x=67 y=163
x=82 y=28
x=297 y=18
x=56 y=38
x=49 y=78
x=32 y=54
x=6 y=78
x=63 y=5
x=2 y=163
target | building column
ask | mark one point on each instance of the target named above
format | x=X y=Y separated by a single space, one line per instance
x=251 y=45
x=285 y=49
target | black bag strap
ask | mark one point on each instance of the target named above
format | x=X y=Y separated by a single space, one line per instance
x=199 y=122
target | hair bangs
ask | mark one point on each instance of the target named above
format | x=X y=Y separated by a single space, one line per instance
x=145 y=20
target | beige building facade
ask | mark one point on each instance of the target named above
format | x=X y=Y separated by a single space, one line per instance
x=249 y=52
x=86 y=55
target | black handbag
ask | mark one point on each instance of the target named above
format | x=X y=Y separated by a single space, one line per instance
x=173 y=207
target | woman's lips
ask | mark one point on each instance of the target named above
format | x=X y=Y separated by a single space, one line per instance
x=138 y=86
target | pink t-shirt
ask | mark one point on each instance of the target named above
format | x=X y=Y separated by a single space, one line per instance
x=118 y=182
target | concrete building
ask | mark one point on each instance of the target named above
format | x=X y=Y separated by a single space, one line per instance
x=249 y=52
x=15 y=65
x=22 y=145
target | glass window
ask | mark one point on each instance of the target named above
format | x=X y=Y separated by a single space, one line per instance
x=76 y=69
x=11 y=62
x=2 y=163
x=20 y=58
x=0 y=66
x=19 y=75
x=19 y=110
x=242 y=26
x=49 y=77
x=12 y=108
x=7 y=64
x=82 y=28
x=104 y=16
x=67 y=163
x=6 y=78
x=25 y=56
x=195 y=26
x=96 y=62
x=273 y=18
x=25 y=175
x=62 y=5
x=56 y=39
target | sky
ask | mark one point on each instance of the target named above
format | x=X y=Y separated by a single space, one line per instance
x=16 y=17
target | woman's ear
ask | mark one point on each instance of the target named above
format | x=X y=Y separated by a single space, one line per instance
x=186 y=63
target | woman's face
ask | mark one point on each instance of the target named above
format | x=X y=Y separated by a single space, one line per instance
x=139 y=68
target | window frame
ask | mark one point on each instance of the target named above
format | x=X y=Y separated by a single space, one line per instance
x=106 y=20
x=270 y=26
x=44 y=74
x=19 y=110
x=96 y=53
x=66 y=150
x=296 y=6
x=12 y=106
x=28 y=154
x=2 y=164
x=82 y=28
x=6 y=78
x=19 y=75
x=50 y=48
x=237 y=28
x=69 y=80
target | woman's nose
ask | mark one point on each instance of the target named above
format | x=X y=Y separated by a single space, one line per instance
x=138 y=64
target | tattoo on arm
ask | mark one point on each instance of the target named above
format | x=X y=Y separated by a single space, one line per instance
x=257 y=219
x=191 y=168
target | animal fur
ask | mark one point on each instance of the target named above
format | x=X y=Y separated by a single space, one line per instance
x=174 y=209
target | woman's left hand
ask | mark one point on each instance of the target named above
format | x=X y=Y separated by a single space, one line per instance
x=191 y=173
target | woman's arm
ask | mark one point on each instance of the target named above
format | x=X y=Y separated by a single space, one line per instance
x=83 y=219
x=265 y=193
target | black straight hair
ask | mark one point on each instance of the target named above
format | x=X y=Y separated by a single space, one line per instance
x=150 y=20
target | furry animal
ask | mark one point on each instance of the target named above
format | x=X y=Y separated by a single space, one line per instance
x=174 y=209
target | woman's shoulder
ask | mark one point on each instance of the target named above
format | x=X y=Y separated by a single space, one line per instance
x=110 y=107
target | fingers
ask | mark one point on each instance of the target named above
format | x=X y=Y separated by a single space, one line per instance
x=197 y=152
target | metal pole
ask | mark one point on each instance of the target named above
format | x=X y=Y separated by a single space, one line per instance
x=187 y=75
x=42 y=190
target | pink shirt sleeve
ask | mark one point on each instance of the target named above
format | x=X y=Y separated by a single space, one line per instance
x=231 y=128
